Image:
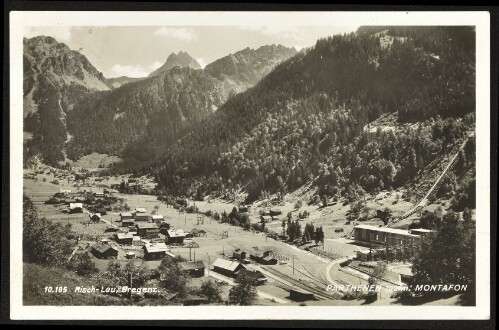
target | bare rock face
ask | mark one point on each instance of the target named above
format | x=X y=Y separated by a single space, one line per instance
x=182 y=59
x=245 y=68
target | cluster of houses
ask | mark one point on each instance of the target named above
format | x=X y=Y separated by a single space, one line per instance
x=141 y=228
x=95 y=202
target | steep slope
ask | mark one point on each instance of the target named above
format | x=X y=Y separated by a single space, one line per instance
x=304 y=122
x=137 y=115
x=54 y=79
x=182 y=59
x=245 y=68
x=119 y=81
x=142 y=118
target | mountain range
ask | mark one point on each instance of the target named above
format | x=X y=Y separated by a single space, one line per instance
x=68 y=102
x=270 y=119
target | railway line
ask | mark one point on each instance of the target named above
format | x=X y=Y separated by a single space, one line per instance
x=424 y=201
x=318 y=292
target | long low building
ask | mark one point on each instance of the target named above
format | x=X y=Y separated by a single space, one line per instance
x=397 y=243
x=227 y=267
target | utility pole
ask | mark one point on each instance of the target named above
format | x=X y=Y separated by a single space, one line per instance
x=209 y=264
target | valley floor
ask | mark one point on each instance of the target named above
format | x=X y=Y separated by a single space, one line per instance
x=297 y=268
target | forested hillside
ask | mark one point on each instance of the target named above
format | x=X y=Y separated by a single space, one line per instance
x=306 y=120
x=55 y=78
x=72 y=110
x=155 y=109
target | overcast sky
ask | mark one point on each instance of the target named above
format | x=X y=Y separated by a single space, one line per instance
x=136 y=51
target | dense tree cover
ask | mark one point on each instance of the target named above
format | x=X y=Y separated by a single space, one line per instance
x=447 y=256
x=305 y=121
x=55 y=78
x=137 y=115
x=244 y=292
x=44 y=242
x=211 y=291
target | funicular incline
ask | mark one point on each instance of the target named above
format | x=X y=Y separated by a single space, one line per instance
x=424 y=201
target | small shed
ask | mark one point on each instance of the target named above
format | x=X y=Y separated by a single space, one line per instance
x=263 y=257
x=300 y=295
x=193 y=268
x=75 y=207
x=157 y=218
x=275 y=212
x=239 y=254
x=198 y=232
x=95 y=217
x=130 y=255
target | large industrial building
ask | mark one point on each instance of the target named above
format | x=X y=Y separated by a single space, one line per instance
x=386 y=242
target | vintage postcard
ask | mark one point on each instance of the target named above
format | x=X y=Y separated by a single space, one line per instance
x=249 y=165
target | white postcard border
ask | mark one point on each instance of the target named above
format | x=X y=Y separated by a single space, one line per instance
x=19 y=20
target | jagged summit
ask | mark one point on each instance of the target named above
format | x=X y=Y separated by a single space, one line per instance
x=182 y=59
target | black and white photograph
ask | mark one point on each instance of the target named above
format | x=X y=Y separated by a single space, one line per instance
x=221 y=165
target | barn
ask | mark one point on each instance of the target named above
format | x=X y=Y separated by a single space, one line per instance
x=126 y=216
x=227 y=267
x=147 y=230
x=142 y=217
x=156 y=251
x=175 y=236
x=124 y=239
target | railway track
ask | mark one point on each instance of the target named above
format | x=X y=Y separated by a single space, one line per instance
x=422 y=203
x=319 y=293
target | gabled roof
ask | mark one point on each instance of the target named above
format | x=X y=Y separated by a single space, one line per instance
x=176 y=233
x=123 y=235
x=140 y=210
x=126 y=214
x=159 y=247
x=75 y=205
x=157 y=217
x=227 y=264
x=102 y=248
